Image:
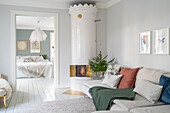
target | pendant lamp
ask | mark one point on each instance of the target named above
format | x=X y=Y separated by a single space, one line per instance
x=38 y=35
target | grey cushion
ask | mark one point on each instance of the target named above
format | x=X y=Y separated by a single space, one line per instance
x=149 y=90
x=149 y=74
x=2 y=92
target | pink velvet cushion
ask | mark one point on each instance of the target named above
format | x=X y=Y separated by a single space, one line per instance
x=129 y=77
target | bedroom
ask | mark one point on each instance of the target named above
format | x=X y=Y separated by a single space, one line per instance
x=35 y=52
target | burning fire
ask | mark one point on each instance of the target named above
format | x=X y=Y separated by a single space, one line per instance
x=82 y=71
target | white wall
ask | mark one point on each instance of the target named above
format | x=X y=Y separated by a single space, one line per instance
x=64 y=35
x=126 y=20
x=101 y=32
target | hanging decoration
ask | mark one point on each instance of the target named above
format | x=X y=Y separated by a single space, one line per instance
x=38 y=35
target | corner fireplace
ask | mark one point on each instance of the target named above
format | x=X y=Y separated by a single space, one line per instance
x=80 y=71
x=83 y=39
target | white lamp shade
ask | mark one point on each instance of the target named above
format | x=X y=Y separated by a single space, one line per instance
x=38 y=35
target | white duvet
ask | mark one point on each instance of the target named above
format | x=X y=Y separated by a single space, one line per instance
x=36 y=69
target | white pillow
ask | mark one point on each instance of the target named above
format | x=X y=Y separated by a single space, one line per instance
x=149 y=90
x=112 y=80
x=40 y=59
x=20 y=59
x=34 y=58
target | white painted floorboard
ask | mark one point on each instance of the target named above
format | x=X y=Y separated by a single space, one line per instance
x=34 y=90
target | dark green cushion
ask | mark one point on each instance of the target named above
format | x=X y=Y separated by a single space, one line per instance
x=44 y=56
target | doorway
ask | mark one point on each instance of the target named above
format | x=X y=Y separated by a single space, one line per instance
x=14 y=14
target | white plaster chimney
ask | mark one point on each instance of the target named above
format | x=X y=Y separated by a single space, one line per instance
x=83 y=33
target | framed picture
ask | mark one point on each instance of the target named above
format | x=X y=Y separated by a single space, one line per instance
x=161 y=41
x=34 y=46
x=22 y=45
x=145 y=42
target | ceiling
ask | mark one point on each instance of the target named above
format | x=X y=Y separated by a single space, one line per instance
x=31 y=22
x=70 y=1
x=47 y=23
x=59 y=4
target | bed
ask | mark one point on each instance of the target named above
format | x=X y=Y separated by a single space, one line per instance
x=34 y=66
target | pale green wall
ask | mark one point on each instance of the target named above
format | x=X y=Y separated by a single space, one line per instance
x=25 y=35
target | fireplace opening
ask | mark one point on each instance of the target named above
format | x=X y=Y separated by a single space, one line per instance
x=80 y=71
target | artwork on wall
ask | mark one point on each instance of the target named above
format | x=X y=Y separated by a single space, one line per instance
x=161 y=41
x=145 y=45
x=34 y=46
x=22 y=45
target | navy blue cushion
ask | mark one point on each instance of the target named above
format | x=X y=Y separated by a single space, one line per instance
x=165 y=82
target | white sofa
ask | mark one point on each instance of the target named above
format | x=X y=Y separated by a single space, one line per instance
x=139 y=104
x=91 y=83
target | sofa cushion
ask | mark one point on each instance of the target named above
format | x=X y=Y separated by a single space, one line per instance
x=165 y=82
x=149 y=90
x=112 y=69
x=155 y=109
x=116 y=108
x=139 y=101
x=112 y=80
x=129 y=77
x=149 y=74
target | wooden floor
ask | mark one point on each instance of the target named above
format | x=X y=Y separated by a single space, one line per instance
x=34 y=90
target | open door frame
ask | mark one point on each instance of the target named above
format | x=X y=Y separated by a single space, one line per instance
x=14 y=13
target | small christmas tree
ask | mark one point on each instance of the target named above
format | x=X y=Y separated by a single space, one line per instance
x=99 y=64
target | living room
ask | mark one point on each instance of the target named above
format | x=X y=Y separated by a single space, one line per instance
x=133 y=32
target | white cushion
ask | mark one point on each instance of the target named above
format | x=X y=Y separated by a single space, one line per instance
x=155 y=109
x=148 y=90
x=34 y=57
x=139 y=101
x=149 y=74
x=112 y=80
x=21 y=59
x=2 y=92
x=40 y=59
